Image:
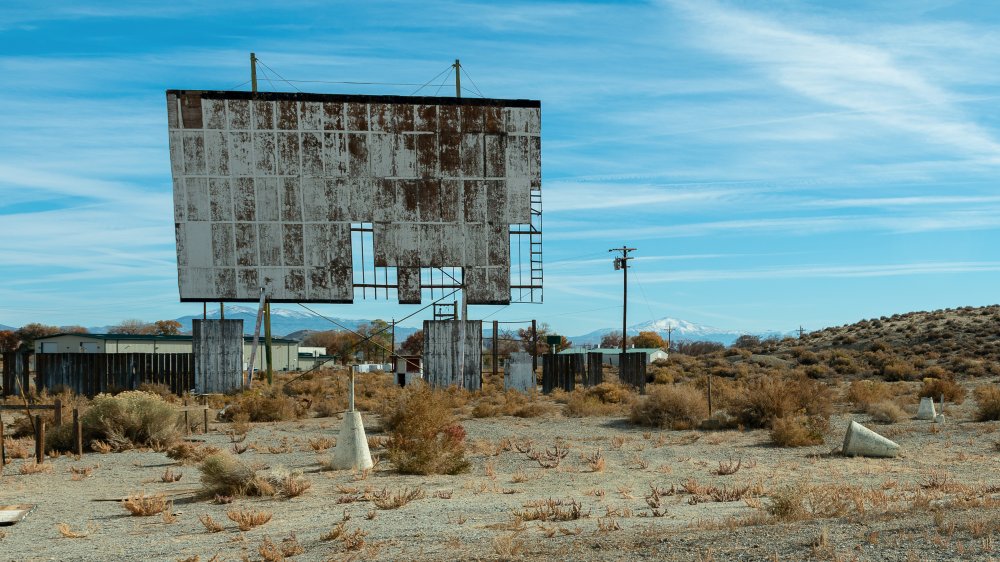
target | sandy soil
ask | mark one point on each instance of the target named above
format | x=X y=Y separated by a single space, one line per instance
x=939 y=501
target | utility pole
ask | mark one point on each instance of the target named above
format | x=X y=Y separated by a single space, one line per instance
x=253 y=72
x=458 y=78
x=670 y=330
x=622 y=264
x=801 y=331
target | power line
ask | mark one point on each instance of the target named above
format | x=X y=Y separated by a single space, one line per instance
x=278 y=75
x=428 y=82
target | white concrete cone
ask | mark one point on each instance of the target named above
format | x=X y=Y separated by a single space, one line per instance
x=351 y=451
x=939 y=418
x=926 y=411
x=861 y=441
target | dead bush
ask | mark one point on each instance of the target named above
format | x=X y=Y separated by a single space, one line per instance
x=141 y=505
x=424 y=437
x=510 y=403
x=886 y=411
x=864 y=393
x=676 y=407
x=605 y=399
x=769 y=397
x=798 y=430
x=248 y=518
x=222 y=474
x=785 y=504
x=987 y=403
x=260 y=405
x=935 y=388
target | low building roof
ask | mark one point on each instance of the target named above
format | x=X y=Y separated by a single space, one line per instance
x=153 y=337
x=612 y=350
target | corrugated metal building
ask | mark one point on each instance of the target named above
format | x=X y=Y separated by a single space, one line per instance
x=285 y=352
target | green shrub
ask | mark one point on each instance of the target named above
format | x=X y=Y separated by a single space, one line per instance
x=130 y=419
x=676 y=407
x=425 y=437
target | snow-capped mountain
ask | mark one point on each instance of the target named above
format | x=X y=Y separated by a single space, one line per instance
x=679 y=330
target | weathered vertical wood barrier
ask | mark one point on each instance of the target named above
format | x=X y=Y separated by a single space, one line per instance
x=632 y=370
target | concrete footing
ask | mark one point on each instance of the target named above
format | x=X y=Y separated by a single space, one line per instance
x=861 y=441
x=926 y=410
x=351 y=451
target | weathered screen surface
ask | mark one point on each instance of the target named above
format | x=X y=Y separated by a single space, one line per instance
x=269 y=186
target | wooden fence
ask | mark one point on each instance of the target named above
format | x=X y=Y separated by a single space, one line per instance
x=15 y=372
x=90 y=374
x=632 y=370
x=595 y=369
x=560 y=371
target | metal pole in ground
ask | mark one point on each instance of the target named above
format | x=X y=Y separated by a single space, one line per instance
x=77 y=432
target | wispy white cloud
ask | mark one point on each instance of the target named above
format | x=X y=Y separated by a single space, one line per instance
x=781 y=272
x=979 y=219
x=841 y=73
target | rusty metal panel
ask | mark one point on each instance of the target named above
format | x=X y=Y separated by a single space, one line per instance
x=217 y=346
x=448 y=359
x=259 y=178
x=408 y=279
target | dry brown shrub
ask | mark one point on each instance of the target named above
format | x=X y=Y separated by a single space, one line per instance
x=387 y=500
x=864 y=393
x=210 y=524
x=225 y=475
x=798 y=430
x=987 y=403
x=508 y=546
x=141 y=505
x=886 y=412
x=263 y=405
x=676 y=407
x=32 y=467
x=605 y=399
x=766 y=398
x=66 y=531
x=248 y=518
x=425 y=437
x=292 y=484
x=16 y=449
x=130 y=419
x=190 y=453
x=321 y=443
x=935 y=388
x=785 y=503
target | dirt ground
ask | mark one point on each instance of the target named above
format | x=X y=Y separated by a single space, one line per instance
x=654 y=498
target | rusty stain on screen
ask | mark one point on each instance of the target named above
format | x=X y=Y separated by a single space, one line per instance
x=270 y=187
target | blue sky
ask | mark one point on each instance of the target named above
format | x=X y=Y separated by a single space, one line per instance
x=776 y=163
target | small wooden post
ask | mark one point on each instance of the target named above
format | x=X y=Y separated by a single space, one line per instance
x=3 y=450
x=205 y=411
x=187 y=419
x=39 y=439
x=77 y=432
x=709 y=395
x=58 y=413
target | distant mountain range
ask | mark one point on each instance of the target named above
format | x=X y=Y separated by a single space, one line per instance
x=6 y=327
x=679 y=330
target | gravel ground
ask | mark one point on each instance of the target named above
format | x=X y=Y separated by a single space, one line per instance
x=939 y=501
